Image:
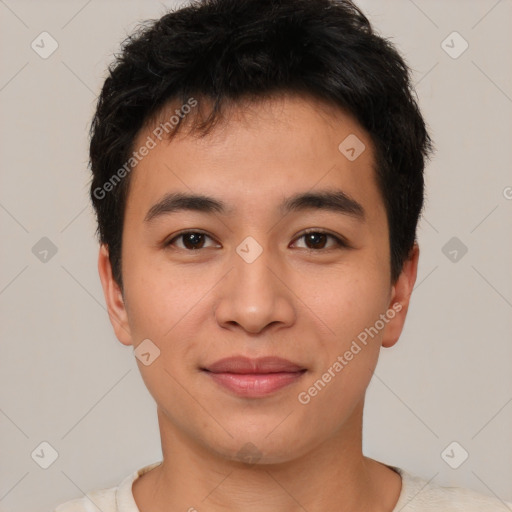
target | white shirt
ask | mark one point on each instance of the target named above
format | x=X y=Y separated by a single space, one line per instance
x=417 y=495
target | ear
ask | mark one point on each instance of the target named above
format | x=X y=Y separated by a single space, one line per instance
x=114 y=298
x=400 y=296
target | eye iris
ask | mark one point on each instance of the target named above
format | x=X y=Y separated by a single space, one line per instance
x=316 y=239
x=191 y=239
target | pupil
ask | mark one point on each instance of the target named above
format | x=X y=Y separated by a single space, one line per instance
x=316 y=239
x=192 y=239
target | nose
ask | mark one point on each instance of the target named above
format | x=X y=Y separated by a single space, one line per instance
x=255 y=296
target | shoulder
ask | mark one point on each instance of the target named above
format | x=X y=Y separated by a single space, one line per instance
x=420 y=495
x=102 y=500
x=113 y=499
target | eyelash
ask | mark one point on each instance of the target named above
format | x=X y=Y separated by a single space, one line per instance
x=340 y=242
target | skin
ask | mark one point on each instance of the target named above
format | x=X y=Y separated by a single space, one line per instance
x=305 y=305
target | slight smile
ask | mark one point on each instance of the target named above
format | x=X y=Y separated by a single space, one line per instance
x=254 y=378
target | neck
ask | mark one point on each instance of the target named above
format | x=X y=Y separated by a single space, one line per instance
x=332 y=476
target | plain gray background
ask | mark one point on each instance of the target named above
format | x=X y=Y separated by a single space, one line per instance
x=66 y=380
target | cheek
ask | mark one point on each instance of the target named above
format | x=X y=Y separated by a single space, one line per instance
x=159 y=296
x=350 y=350
x=164 y=304
x=348 y=300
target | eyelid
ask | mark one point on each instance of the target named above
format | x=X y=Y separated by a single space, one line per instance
x=340 y=241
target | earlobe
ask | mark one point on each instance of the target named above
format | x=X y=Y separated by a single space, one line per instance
x=400 y=297
x=113 y=298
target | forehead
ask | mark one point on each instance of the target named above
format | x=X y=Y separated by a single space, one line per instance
x=258 y=153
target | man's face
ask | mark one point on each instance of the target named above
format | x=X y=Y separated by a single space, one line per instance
x=252 y=284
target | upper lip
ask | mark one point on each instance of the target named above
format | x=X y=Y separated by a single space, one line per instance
x=244 y=365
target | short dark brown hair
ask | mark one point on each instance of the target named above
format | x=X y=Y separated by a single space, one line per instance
x=224 y=51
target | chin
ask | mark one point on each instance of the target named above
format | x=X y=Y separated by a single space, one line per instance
x=261 y=448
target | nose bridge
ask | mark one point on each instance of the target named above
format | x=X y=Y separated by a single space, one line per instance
x=253 y=296
x=253 y=281
x=252 y=270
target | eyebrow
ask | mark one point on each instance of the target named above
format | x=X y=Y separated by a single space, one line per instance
x=330 y=200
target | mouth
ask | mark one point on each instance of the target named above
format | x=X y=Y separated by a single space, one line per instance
x=254 y=378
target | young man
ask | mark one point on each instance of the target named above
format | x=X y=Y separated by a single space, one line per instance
x=258 y=178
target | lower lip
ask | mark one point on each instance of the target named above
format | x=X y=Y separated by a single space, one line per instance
x=255 y=385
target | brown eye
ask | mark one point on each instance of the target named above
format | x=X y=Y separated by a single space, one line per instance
x=190 y=240
x=193 y=240
x=317 y=240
